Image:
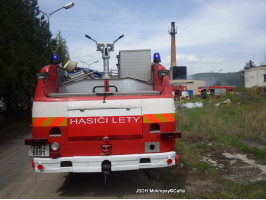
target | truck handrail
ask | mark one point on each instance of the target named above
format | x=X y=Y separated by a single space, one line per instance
x=60 y=95
x=105 y=86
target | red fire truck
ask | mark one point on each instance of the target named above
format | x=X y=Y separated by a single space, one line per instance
x=180 y=91
x=226 y=88
x=94 y=122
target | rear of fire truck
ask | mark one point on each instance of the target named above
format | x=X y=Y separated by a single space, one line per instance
x=88 y=121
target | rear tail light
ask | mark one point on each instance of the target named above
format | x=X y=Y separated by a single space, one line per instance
x=169 y=161
x=167 y=136
x=36 y=141
x=40 y=167
x=55 y=146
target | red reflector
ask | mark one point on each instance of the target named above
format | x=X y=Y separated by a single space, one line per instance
x=176 y=158
x=167 y=136
x=32 y=164
x=40 y=167
x=169 y=161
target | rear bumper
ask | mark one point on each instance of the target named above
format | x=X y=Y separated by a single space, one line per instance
x=94 y=163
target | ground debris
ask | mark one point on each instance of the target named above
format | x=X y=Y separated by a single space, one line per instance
x=224 y=102
x=244 y=170
x=212 y=162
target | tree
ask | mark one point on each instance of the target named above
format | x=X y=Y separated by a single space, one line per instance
x=61 y=48
x=249 y=64
x=26 y=45
x=24 y=49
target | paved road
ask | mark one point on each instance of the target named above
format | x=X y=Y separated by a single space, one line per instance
x=18 y=180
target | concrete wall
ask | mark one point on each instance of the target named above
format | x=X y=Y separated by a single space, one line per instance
x=255 y=76
x=191 y=84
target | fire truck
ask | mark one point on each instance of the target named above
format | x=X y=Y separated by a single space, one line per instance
x=214 y=91
x=180 y=91
x=95 y=122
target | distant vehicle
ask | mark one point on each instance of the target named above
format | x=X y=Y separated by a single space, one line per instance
x=96 y=122
x=228 y=88
x=180 y=91
x=214 y=91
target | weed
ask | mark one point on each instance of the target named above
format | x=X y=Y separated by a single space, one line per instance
x=240 y=118
x=234 y=190
x=223 y=126
x=231 y=141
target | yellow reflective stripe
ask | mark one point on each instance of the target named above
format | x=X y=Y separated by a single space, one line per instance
x=34 y=119
x=49 y=121
x=159 y=118
x=63 y=123
x=145 y=119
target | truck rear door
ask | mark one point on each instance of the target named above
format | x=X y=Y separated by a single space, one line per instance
x=121 y=123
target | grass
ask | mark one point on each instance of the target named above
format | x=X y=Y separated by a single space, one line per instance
x=232 y=190
x=211 y=128
x=242 y=118
x=231 y=141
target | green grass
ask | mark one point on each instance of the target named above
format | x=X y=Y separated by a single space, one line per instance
x=212 y=128
x=242 y=118
x=231 y=190
x=233 y=142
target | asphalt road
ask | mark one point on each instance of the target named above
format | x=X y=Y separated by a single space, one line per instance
x=18 y=180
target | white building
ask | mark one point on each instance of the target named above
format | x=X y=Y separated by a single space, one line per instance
x=255 y=77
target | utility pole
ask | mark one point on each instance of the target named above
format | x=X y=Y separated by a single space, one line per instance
x=215 y=75
x=48 y=15
x=55 y=56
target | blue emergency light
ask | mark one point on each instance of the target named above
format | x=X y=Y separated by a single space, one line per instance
x=156 y=58
x=55 y=58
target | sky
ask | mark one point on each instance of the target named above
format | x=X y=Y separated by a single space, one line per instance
x=211 y=34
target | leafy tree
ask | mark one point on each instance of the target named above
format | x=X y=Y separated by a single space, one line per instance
x=249 y=64
x=26 y=45
x=61 y=48
x=24 y=49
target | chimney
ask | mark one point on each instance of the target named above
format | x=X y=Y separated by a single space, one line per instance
x=172 y=32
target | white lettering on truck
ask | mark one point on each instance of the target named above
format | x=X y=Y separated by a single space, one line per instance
x=103 y=120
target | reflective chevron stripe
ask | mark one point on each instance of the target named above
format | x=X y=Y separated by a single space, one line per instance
x=49 y=121
x=158 y=118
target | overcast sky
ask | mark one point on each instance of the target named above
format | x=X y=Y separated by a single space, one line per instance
x=211 y=35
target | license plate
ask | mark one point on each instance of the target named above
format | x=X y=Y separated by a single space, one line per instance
x=39 y=150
